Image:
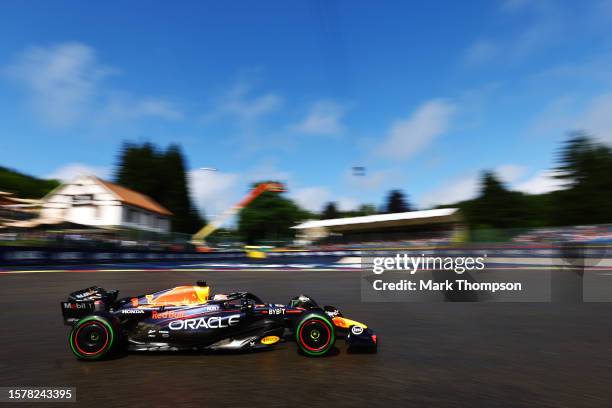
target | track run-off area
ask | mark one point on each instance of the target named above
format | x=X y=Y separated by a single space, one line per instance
x=430 y=353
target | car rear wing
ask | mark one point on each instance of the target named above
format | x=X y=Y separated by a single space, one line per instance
x=85 y=302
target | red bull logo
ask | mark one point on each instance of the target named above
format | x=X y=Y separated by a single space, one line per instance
x=170 y=314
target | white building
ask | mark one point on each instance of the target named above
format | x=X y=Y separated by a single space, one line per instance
x=426 y=226
x=88 y=200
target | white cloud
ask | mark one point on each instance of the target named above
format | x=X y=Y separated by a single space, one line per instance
x=541 y=35
x=256 y=107
x=542 y=182
x=213 y=192
x=597 y=118
x=267 y=170
x=65 y=85
x=347 y=204
x=62 y=80
x=468 y=186
x=128 y=107
x=314 y=198
x=480 y=52
x=540 y=25
x=563 y=114
x=324 y=118
x=517 y=50
x=592 y=71
x=409 y=136
x=554 y=120
x=509 y=173
x=459 y=189
x=371 y=180
x=72 y=170
x=239 y=103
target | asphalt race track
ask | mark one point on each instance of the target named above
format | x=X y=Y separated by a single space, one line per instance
x=431 y=354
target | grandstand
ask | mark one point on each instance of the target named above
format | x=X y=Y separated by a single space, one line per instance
x=430 y=226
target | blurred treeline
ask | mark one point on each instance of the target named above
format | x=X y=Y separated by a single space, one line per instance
x=24 y=186
x=160 y=174
x=270 y=217
x=584 y=166
x=585 y=169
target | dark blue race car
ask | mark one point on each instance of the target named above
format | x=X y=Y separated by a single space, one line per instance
x=188 y=318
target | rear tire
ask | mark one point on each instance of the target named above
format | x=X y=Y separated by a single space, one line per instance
x=93 y=337
x=315 y=335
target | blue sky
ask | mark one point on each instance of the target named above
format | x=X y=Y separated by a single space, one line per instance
x=425 y=95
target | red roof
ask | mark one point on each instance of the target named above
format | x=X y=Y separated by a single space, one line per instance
x=135 y=198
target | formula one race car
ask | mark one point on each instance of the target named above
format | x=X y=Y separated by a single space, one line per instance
x=187 y=318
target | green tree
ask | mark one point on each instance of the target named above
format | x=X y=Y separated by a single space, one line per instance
x=162 y=176
x=175 y=192
x=330 y=211
x=269 y=218
x=586 y=168
x=24 y=186
x=139 y=168
x=396 y=202
x=498 y=207
x=366 y=209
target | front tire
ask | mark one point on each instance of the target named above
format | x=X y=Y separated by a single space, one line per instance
x=93 y=338
x=315 y=335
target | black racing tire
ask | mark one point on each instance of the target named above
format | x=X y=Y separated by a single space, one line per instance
x=94 y=337
x=315 y=335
